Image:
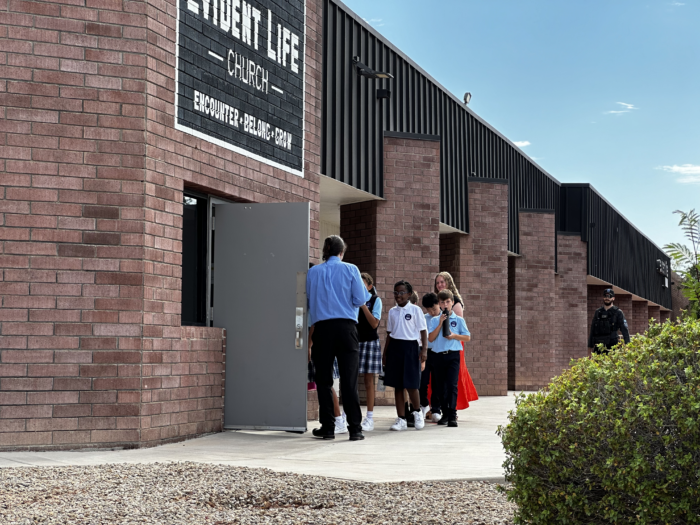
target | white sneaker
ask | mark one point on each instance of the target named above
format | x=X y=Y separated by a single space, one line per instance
x=418 y=421
x=399 y=425
x=367 y=424
x=341 y=427
x=436 y=417
x=424 y=411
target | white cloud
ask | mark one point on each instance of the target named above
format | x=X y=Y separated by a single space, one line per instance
x=522 y=143
x=690 y=173
x=627 y=108
x=376 y=22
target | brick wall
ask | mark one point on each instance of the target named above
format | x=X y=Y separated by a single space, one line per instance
x=398 y=238
x=654 y=313
x=479 y=264
x=534 y=338
x=92 y=177
x=572 y=300
x=639 y=321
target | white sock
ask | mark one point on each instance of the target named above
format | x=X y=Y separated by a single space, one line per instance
x=339 y=419
x=370 y=413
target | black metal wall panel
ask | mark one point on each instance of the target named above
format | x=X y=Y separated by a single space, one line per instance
x=354 y=122
x=618 y=253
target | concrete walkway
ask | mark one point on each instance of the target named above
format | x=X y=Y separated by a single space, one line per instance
x=471 y=452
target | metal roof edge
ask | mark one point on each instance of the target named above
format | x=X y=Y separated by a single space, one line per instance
x=403 y=55
x=590 y=186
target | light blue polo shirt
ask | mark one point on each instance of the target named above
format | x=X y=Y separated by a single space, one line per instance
x=428 y=318
x=457 y=326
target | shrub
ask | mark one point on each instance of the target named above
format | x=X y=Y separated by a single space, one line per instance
x=615 y=439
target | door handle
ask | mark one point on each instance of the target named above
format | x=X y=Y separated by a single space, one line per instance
x=299 y=326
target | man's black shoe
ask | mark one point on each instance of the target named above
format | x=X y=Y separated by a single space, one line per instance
x=324 y=434
x=443 y=421
x=452 y=423
x=359 y=436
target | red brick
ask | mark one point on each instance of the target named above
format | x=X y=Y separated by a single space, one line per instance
x=52 y=398
x=71 y=410
x=25 y=439
x=27 y=329
x=114 y=436
x=116 y=357
x=7 y=370
x=64 y=383
x=15 y=383
x=71 y=437
x=101 y=238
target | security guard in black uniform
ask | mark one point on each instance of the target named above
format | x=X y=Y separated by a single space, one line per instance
x=607 y=320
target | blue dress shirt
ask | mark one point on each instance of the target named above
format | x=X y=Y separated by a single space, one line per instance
x=335 y=290
x=457 y=326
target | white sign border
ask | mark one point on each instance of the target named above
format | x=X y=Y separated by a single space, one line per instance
x=226 y=145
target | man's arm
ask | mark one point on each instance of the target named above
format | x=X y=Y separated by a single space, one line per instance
x=459 y=337
x=360 y=295
x=623 y=326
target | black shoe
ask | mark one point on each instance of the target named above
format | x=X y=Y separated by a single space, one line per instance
x=324 y=434
x=356 y=436
x=452 y=423
x=443 y=421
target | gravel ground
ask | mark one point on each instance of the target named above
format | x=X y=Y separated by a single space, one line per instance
x=194 y=493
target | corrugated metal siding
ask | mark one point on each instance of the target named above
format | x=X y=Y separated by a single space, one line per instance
x=354 y=121
x=618 y=253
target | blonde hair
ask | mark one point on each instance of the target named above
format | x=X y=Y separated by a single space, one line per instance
x=450 y=286
x=367 y=278
x=414 y=298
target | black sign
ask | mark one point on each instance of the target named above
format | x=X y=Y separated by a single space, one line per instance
x=240 y=77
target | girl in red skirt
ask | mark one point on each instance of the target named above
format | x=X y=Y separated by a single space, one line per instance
x=466 y=391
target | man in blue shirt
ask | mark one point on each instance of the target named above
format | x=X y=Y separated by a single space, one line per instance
x=335 y=292
x=446 y=351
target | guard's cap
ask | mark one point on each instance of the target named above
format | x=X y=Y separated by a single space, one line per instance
x=609 y=291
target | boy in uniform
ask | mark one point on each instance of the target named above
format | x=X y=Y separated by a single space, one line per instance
x=446 y=351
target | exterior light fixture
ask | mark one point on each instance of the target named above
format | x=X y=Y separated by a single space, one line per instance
x=368 y=72
x=467 y=98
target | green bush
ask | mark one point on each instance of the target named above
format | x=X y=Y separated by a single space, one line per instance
x=615 y=439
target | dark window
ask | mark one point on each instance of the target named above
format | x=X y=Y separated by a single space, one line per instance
x=194 y=261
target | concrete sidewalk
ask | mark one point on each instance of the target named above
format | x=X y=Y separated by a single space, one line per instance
x=470 y=452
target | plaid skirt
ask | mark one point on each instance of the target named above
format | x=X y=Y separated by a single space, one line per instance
x=370 y=357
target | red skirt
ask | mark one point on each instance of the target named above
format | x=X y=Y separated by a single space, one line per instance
x=466 y=391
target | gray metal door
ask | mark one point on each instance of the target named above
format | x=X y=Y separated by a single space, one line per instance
x=261 y=256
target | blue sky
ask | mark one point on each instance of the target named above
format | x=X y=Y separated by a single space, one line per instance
x=605 y=92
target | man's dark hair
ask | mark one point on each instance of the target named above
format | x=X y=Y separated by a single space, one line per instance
x=429 y=300
x=408 y=286
x=334 y=245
